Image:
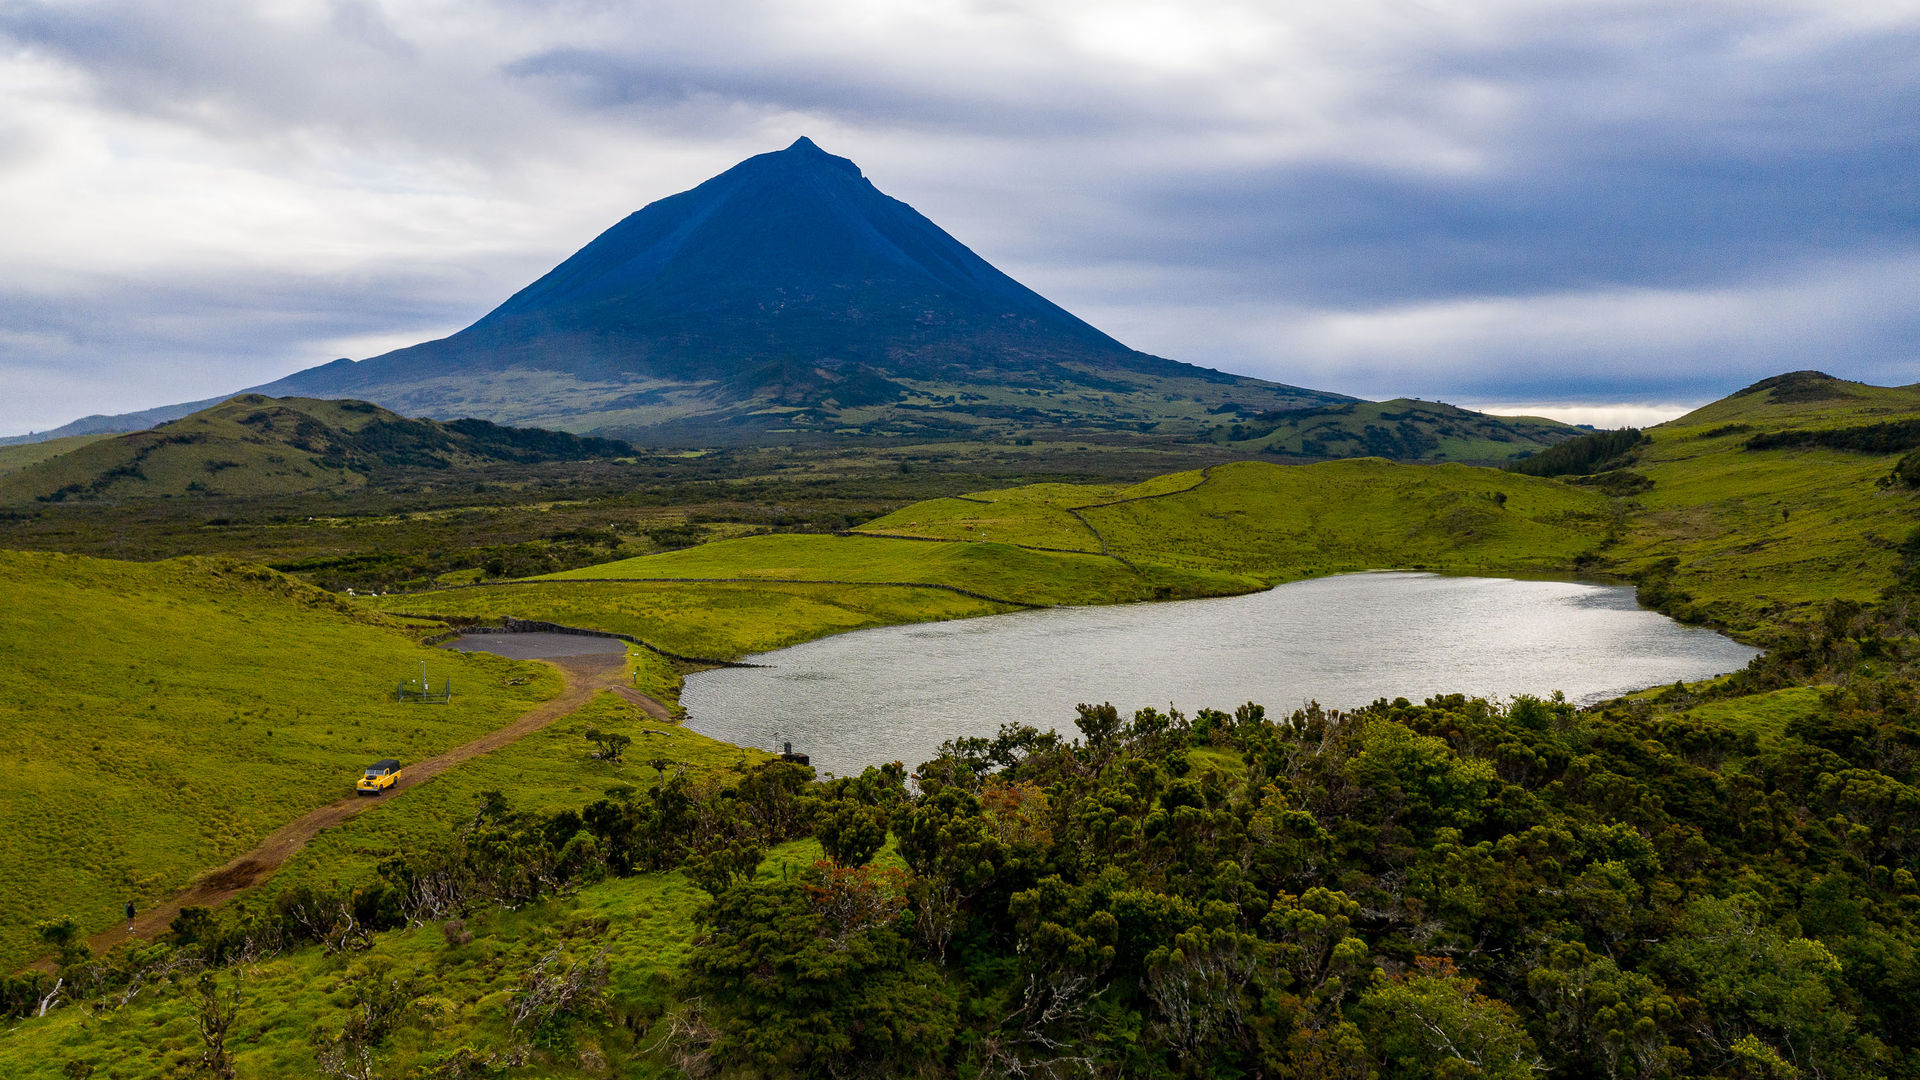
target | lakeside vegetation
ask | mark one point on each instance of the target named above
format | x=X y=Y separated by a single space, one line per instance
x=1697 y=880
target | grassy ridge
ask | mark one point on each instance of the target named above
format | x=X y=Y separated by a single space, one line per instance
x=256 y=445
x=1759 y=536
x=162 y=717
x=1277 y=523
x=21 y=455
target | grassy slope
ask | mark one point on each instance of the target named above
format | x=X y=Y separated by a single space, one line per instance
x=212 y=450
x=546 y=771
x=251 y=445
x=162 y=717
x=1238 y=527
x=15 y=458
x=1002 y=571
x=645 y=922
x=1762 y=534
x=1278 y=523
x=720 y=621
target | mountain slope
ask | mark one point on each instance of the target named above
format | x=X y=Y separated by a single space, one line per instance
x=788 y=294
x=256 y=445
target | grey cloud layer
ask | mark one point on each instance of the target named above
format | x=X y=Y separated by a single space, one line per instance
x=1600 y=201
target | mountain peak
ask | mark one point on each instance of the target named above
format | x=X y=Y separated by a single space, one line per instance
x=783 y=292
x=805 y=153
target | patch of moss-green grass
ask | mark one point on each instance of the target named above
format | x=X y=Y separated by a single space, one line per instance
x=1001 y=571
x=1278 y=523
x=718 y=621
x=546 y=772
x=1765 y=715
x=162 y=717
x=19 y=456
x=1757 y=537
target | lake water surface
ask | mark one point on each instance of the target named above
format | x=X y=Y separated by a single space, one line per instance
x=895 y=693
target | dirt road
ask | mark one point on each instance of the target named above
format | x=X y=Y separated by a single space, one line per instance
x=584 y=675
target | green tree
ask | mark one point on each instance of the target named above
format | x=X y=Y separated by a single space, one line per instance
x=1433 y=1023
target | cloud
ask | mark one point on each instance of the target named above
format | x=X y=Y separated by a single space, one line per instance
x=1538 y=201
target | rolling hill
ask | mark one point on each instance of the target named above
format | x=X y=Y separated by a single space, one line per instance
x=255 y=445
x=1404 y=429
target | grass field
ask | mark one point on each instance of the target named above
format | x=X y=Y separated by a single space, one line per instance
x=1276 y=523
x=546 y=771
x=721 y=621
x=1759 y=535
x=646 y=923
x=162 y=717
x=999 y=570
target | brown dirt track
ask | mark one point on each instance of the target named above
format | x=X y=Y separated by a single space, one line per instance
x=584 y=677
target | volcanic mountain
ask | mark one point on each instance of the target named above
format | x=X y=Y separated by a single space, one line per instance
x=787 y=296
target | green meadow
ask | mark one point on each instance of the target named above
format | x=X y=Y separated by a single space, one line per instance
x=547 y=771
x=645 y=923
x=163 y=717
x=1759 y=536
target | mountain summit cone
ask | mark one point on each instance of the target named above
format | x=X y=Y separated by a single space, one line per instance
x=788 y=295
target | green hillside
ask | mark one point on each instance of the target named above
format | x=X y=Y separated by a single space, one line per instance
x=162 y=717
x=1707 y=880
x=1279 y=522
x=253 y=445
x=19 y=456
x=1404 y=429
x=1760 y=536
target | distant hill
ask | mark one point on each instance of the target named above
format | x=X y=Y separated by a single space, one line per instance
x=785 y=298
x=1806 y=399
x=257 y=445
x=114 y=424
x=1401 y=430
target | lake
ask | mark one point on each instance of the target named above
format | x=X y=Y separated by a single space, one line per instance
x=896 y=693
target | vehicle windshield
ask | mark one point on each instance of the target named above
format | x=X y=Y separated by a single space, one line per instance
x=375 y=773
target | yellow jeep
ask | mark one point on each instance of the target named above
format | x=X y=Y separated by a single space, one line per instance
x=379 y=776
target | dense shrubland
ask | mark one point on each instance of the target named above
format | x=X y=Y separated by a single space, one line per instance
x=1453 y=888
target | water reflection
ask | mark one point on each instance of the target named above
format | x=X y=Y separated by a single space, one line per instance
x=896 y=693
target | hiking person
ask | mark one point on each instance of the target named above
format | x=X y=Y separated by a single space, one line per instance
x=129 y=916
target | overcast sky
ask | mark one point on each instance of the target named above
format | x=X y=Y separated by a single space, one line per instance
x=1602 y=206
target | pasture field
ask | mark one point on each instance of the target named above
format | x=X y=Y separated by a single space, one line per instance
x=1000 y=570
x=162 y=717
x=545 y=772
x=720 y=621
x=1759 y=536
x=1275 y=523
